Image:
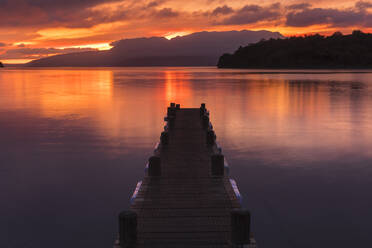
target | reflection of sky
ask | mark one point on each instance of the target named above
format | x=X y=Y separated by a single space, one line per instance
x=74 y=142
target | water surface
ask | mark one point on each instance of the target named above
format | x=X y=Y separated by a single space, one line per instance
x=74 y=142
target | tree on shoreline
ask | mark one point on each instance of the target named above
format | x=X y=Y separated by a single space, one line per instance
x=311 y=51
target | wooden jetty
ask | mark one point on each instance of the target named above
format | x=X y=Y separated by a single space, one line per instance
x=186 y=198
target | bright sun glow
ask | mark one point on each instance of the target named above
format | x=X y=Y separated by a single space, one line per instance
x=15 y=61
x=99 y=46
x=64 y=33
x=173 y=35
x=23 y=43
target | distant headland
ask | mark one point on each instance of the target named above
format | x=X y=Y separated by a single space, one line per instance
x=313 y=51
x=196 y=49
x=1 y=65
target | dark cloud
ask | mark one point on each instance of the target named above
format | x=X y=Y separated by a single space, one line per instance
x=224 y=10
x=253 y=13
x=152 y=4
x=2 y=44
x=32 y=53
x=78 y=13
x=362 y=5
x=52 y=4
x=356 y=16
x=299 y=6
x=166 y=13
x=296 y=15
x=41 y=13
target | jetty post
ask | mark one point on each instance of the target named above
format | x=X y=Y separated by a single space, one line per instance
x=240 y=227
x=154 y=169
x=127 y=229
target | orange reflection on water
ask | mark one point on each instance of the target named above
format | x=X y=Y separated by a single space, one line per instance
x=280 y=99
x=177 y=86
x=127 y=105
x=288 y=114
x=58 y=93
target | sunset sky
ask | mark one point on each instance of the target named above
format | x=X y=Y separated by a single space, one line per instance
x=31 y=29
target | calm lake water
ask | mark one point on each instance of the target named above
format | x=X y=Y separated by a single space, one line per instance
x=74 y=142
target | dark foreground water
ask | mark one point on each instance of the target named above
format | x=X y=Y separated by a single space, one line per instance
x=74 y=142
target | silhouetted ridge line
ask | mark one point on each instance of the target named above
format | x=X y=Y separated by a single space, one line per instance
x=314 y=51
x=1 y=65
x=197 y=49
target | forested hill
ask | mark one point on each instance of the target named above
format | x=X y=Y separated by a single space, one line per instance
x=314 y=51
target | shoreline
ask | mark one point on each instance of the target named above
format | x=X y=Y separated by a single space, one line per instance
x=222 y=70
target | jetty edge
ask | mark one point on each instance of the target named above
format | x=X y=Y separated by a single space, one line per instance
x=186 y=198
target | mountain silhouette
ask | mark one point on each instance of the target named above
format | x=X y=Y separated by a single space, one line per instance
x=197 y=49
x=313 y=51
x=1 y=64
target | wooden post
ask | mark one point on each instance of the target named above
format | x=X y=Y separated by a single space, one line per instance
x=178 y=106
x=171 y=115
x=164 y=138
x=127 y=229
x=170 y=111
x=211 y=137
x=205 y=122
x=171 y=120
x=154 y=166
x=172 y=105
x=240 y=226
x=202 y=109
x=217 y=165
